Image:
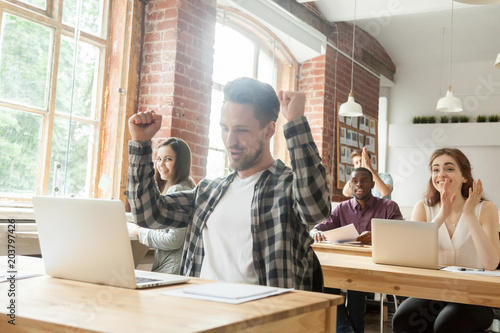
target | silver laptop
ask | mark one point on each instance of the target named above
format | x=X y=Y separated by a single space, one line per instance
x=87 y=240
x=405 y=243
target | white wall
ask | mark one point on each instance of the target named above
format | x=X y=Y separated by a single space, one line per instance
x=416 y=92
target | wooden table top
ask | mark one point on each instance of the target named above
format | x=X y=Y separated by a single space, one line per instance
x=56 y=305
x=365 y=250
x=355 y=272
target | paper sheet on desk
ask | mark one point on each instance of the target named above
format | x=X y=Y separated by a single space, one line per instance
x=458 y=269
x=343 y=234
x=5 y=275
x=225 y=292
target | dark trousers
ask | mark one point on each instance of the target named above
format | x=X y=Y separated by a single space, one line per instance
x=421 y=315
x=351 y=317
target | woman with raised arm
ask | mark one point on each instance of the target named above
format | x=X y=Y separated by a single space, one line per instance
x=468 y=236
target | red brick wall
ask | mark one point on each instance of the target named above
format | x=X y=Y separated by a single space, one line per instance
x=324 y=90
x=316 y=80
x=176 y=73
x=177 y=69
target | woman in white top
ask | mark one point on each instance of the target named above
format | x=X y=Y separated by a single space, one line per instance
x=468 y=236
x=172 y=174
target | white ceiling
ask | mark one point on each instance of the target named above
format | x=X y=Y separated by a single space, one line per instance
x=411 y=31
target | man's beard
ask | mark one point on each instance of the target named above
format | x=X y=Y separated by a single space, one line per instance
x=246 y=162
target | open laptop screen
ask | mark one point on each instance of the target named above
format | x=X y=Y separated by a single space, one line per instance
x=405 y=243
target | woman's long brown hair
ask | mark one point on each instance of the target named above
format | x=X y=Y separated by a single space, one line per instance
x=432 y=196
x=182 y=165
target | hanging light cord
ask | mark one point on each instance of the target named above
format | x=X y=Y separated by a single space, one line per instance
x=442 y=61
x=353 y=39
x=451 y=40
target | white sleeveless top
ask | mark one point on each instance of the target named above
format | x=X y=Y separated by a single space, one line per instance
x=458 y=250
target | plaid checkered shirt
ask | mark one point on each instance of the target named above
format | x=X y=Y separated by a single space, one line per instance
x=285 y=202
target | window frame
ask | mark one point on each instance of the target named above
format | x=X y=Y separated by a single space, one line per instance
x=286 y=66
x=52 y=18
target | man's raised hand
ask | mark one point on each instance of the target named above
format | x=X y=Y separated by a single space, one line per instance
x=144 y=125
x=292 y=104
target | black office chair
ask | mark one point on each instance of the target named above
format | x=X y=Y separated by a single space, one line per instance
x=317 y=283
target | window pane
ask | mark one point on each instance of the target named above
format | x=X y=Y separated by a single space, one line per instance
x=20 y=136
x=85 y=81
x=216 y=164
x=24 y=61
x=215 y=139
x=234 y=55
x=90 y=17
x=77 y=179
x=265 y=72
x=37 y=3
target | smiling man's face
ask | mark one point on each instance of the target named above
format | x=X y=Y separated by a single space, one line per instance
x=243 y=136
x=361 y=184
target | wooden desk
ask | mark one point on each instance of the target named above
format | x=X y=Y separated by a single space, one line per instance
x=46 y=304
x=365 y=251
x=360 y=273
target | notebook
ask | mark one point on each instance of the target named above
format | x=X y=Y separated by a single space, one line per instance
x=405 y=243
x=87 y=240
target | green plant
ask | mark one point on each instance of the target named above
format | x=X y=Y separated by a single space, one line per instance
x=481 y=119
x=416 y=120
x=493 y=118
x=444 y=119
x=464 y=119
x=423 y=120
x=431 y=120
x=455 y=119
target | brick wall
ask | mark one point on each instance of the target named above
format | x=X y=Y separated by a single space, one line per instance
x=177 y=69
x=324 y=89
x=316 y=80
x=176 y=73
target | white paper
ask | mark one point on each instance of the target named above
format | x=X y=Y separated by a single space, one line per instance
x=458 y=269
x=226 y=292
x=343 y=234
x=5 y=275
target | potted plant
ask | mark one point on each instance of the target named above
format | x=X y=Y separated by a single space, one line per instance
x=423 y=120
x=481 y=119
x=431 y=120
x=416 y=120
x=455 y=119
x=444 y=119
x=464 y=119
x=493 y=118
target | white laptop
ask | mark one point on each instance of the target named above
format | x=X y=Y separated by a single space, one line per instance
x=405 y=243
x=87 y=240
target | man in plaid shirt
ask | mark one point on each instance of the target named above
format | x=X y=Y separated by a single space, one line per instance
x=251 y=226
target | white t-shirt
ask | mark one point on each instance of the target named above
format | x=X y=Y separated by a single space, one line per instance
x=227 y=237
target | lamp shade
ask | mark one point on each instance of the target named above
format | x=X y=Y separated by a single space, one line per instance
x=449 y=103
x=350 y=108
x=497 y=63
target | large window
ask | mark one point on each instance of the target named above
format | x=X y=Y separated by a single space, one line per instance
x=241 y=49
x=51 y=69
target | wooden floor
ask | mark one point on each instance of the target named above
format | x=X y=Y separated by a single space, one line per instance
x=372 y=322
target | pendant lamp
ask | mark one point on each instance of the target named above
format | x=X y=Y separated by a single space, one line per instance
x=450 y=103
x=497 y=63
x=351 y=108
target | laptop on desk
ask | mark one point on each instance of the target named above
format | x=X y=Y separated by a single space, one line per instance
x=87 y=240
x=405 y=243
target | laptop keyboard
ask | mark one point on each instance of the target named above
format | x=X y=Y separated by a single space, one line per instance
x=145 y=280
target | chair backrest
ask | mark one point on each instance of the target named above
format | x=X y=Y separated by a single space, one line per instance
x=317 y=284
